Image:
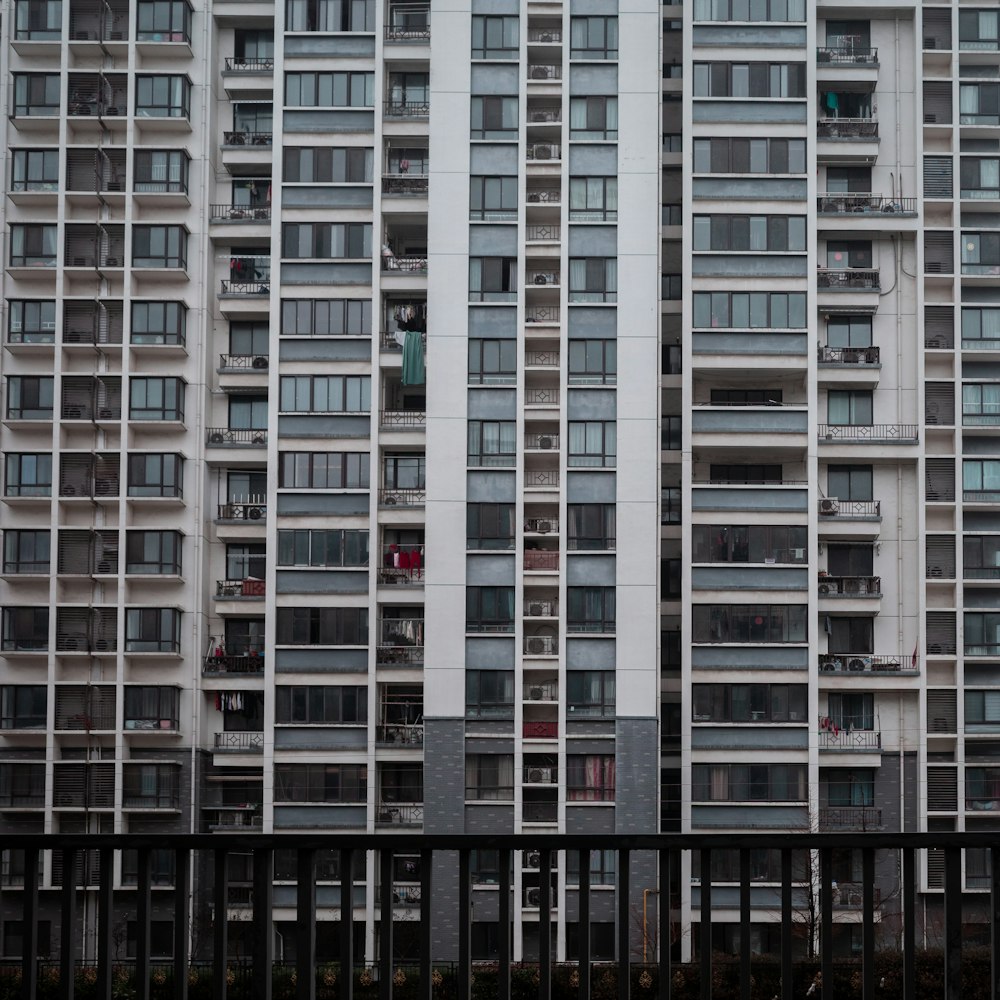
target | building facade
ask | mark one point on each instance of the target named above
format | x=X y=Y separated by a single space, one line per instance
x=291 y=291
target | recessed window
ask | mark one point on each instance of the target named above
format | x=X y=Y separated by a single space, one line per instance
x=749 y=156
x=156 y=398
x=321 y=705
x=749 y=623
x=328 y=165
x=492 y=279
x=590 y=777
x=593 y=199
x=489 y=694
x=849 y=407
x=591 y=526
x=323 y=470
x=749 y=310
x=593 y=279
x=749 y=703
x=159 y=246
x=326 y=317
x=592 y=444
x=328 y=15
x=492 y=362
x=36 y=94
x=31 y=322
x=152 y=630
x=34 y=170
x=162 y=96
x=29 y=397
x=590 y=694
x=38 y=20
x=750 y=10
x=33 y=245
x=494 y=118
x=163 y=21
x=495 y=36
x=593 y=118
x=326 y=240
x=333 y=547
x=492 y=199
x=593 y=37
x=749 y=783
x=321 y=626
x=155 y=475
x=330 y=90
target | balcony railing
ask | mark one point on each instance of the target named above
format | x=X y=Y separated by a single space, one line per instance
x=402 y=33
x=407 y=185
x=837 y=734
x=443 y=962
x=543 y=196
x=541 y=279
x=541 y=359
x=545 y=35
x=248 y=64
x=412 y=265
x=243 y=511
x=847 y=128
x=542 y=234
x=541 y=478
x=864 y=204
x=407 y=419
x=538 y=730
x=835 y=507
x=850 y=278
x=848 y=356
x=391 y=344
x=402 y=498
x=399 y=814
x=541 y=151
x=250 y=587
x=844 y=55
x=241 y=742
x=244 y=362
x=866 y=663
x=241 y=213
x=234 y=663
x=536 y=560
x=541 y=645
x=247 y=138
x=397 y=734
x=402 y=564
x=850 y=586
x=225 y=437
x=406 y=109
x=850 y=818
x=543 y=72
x=542 y=525
x=871 y=433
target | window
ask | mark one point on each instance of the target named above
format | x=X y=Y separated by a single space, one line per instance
x=246 y=561
x=841 y=254
x=849 y=407
x=492 y=362
x=36 y=94
x=602 y=933
x=156 y=398
x=745 y=475
x=851 y=635
x=849 y=786
x=409 y=93
x=590 y=694
x=161 y=170
x=489 y=526
x=850 y=482
x=163 y=21
x=670 y=505
x=401 y=782
x=159 y=322
x=325 y=393
x=750 y=10
x=981 y=328
x=38 y=19
x=979 y=30
x=851 y=710
x=756 y=79
x=29 y=397
x=320 y=783
x=22 y=784
x=13 y=938
x=979 y=103
x=590 y=609
x=982 y=711
x=492 y=443
x=745 y=397
x=328 y=164
x=322 y=626
x=31 y=322
x=981 y=403
x=849 y=331
x=326 y=317
x=249 y=339
x=153 y=552
x=155 y=475
x=593 y=279
x=749 y=783
x=26 y=551
x=323 y=470
x=492 y=199
x=494 y=118
x=329 y=15
x=317 y=705
x=152 y=630
x=255 y=119
x=406 y=471
x=158 y=246
x=593 y=199
x=333 y=548
x=750 y=232
x=495 y=37
x=28 y=475
x=980 y=177
x=749 y=156
x=489 y=694
x=593 y=117
x=326 y=240
x=982 y=634
x=591 y=526
x=981 y=559
x=151 y=704
x=489 y=776
x=330 y=90
x=492 y=279
x=593 y=38
x=670 y=579
x=248 y=413
x=980 y=476
x=592 y=444
x=750 y=703
x=743 y=623
x=590 y=777
x=162 y=96
x=22 y=706
x=749 y=543
x=34 y=170
x=981 y=253
x=489 y=609
x=848 y=180
x=750 y=310
x=33 y=245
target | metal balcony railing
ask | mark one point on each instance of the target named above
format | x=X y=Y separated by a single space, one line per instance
x=233 y=663
x=405 y=33
x=871 y=433
x=541 y=151
x=542 y=234
x=546 y=36
x=391 y=344
x=406 y=185
x=397 y=734
x=541 y=478
x=241 y=213
x=854 y=278
x=247 y=138
x=835 y=507
x=401 y=498
x=249 y=64
x=414 y=265
x=542 y=525
x=865 y=663
x=864 y=204
x=848 y=355
x=244 y=362
x=544 y=72
x=855 y=818
x=234 y=589
x=543 y=196
x=399 y=814
x=535 y=559
x=405 y=419
x=842 y=734
x=244 y=437
x=847 y=128
x=240 y=742
x=541 y=359
x=850 y=586
x=243 y=511
x=844 y=55
x=406 y=109
x=541 y=645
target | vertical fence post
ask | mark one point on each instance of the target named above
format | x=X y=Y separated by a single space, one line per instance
x=67 y=940
x=825 y=916
x=910 y=925
x=142 y=923
x=952 y=923
x=262 y=933
x=868 y=923
x=182 y=923
x=305 y=921
x=105 y=914
x=29 y=925
x=545 y=925
x=624 y=924
x=426 y=937
x=220 y=926
x=786 y=923
x=385 y=925
x=464 y=926
x=705 y=927
x=583 y=925
x=346 y=923
x=504 y=942
x=744 y=924
x=663 y=921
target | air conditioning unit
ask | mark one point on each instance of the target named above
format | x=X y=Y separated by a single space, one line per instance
x=827 y=587
x=540 y=775
x=536 y=644
x=260 y=362
x=540 y=609
x=533 y=896
x=859 y=663
x=545 y=441
x=543 y=153
x=539 y=73
x=215 y=438
x=541 y=279
x=532 y=859
x=536 y=694
x=829 y=505
x=255 y=513
x=831 y=663
x=543 y=527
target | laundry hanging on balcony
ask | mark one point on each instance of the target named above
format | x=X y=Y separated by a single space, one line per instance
x=414 y=370
x=226 y=701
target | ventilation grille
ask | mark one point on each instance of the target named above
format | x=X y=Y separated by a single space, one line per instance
x=939 y=479
x=939 y=327
x=938 y=177
x=939 y=253
x=935 y=868
x=940 y=557
x=942 y=711
x=939 y=404
x=942 y=789
x=941 y=633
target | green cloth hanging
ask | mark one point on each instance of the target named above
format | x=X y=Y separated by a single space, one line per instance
x=414 y=370
x=832 y=101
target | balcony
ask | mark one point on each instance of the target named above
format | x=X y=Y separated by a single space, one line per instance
x=239 y=742
x=255 y=363
x=847 y=128
x=400 y=642
x=239 y=213
x=538 y=560
x=835 y=508
x=410 y=420
x=870 y=433
x=864 y=204
x=849 y=818
x=220 y=663
x=247 y=64
x=235 y=437
x=399 y=814
x=543 y=152
x=399 y=734
x=539 y=730
x=231 y=139
x=248 y=276
x=866 y=663
x=834 y=357
x=391 y=264
x=251 y=588
x=402 y=497
x=840 y=734
x=405 y=185
x=406 y=110
x=846 y=55
x=850 y=279
x=240 y=511
x=541 y=645
x=849 y=586
x=402 y=565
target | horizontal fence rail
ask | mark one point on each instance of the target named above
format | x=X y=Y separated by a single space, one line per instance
x=802 y=870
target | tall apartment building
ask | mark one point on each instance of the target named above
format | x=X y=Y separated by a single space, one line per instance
x=293 y=290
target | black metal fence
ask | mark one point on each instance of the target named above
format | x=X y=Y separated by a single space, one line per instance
x=430 y=978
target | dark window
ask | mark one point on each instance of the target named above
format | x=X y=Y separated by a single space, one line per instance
x=750 y=10
x=602 y=933
x=492 y=279
x=590 y=777
x=162 y=96
x=848 y=180
x=330 y=90
x=489 y=526
x=749 y=156
x=325 y=393
x=29 y=397
x=842 y=254
x=590 y=609
x=31 y=321
x=978 y=30
x=749 y=783
x=593 y=199
x=159 y=246
x=849 y=331
x=33 y=245
x=850 y=560
x=152 y=630
x=322 y=626
x=850 y=482
x=326 y=240
x=592 y=443
x=981 y=253
x=163 y=21
x=28 y=475
x=492 y=199
x=34 y=170
x=161 y=932
x=492 y=443
x=36 y=93
x=749 y=232
x=26 y=551
x=489 y=609
x=749 y=623
x=749 y=543
x=593 y=117
x=158 y=322
x=326 y=317
x=156 y=398
x=850 y=635
x=749 y=703
x=851 y=709
x=591 y=526
x=148 y=706
x=745 y=397
x=980 y=176
x=489 y=776
x=315 y=704
x=756 y=79
x=150 y=786
x=849 y=407
x=323 y=470
x=322 y=547
x=489 y=694
x=593 y=279
x=979 y=103
x=161 y=170
x=328 y=164
x=590 y=694
x=155 y=475
x=849 y=786
x=405 y=471
x=593 y=362
x=492 y=362
x=320 y=15
x=494 y=118
x=153 y=552
x=320 y=782
x=23 y=706
x=749 y=310
x=745 y=475
x=13 y=938
x=495 y=36
x=593 y=38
